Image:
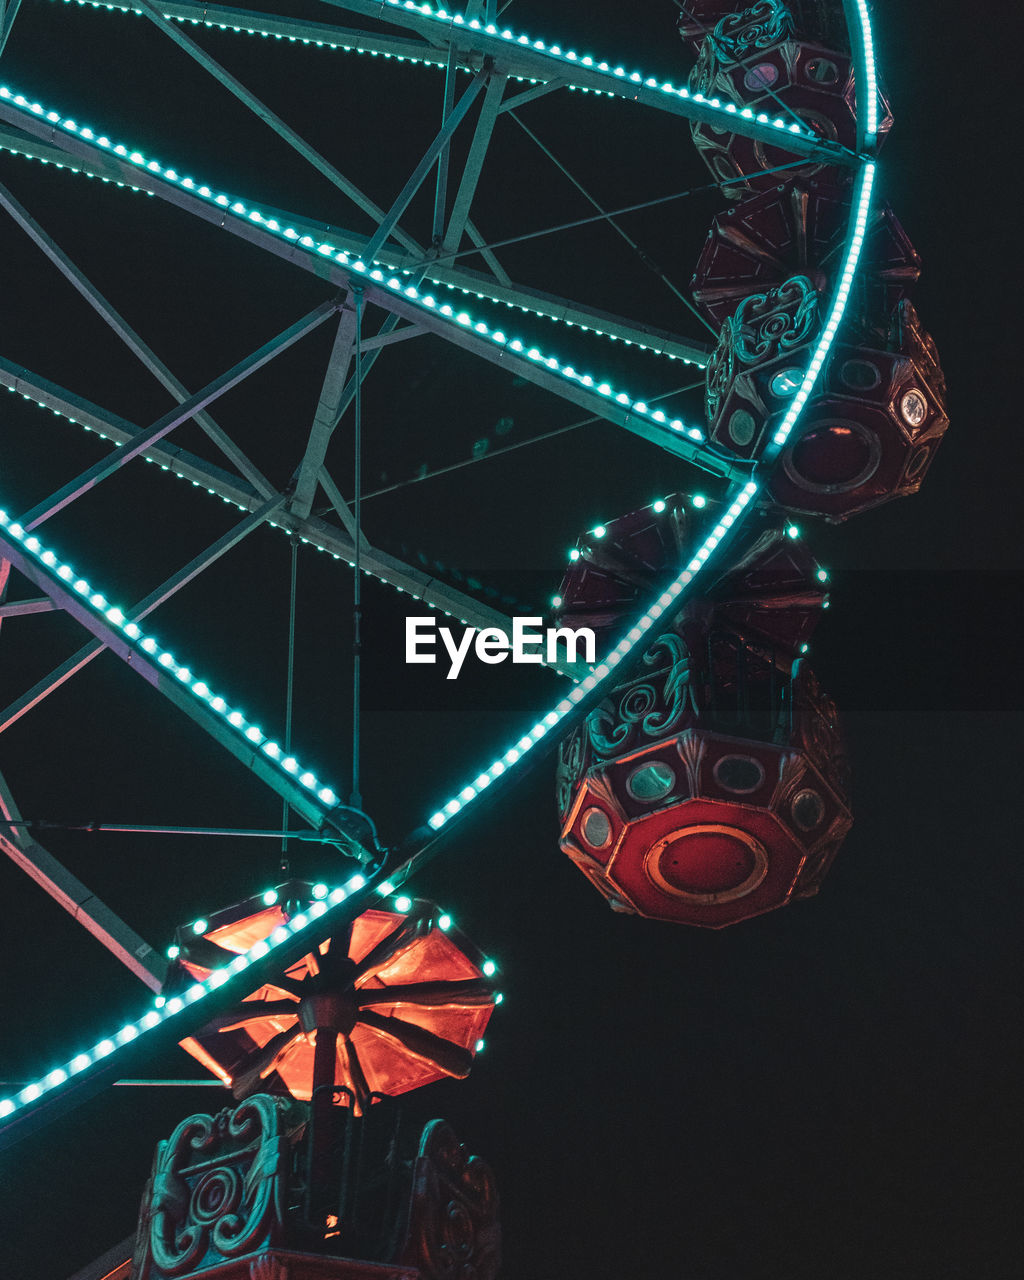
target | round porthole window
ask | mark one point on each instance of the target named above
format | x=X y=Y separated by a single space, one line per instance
x=740 y=774
x=596 y=828
x=761 y=77
x=833 y=457
x=862 y=375
x=822 y=71
x=651 y=781
x=786 y=382
x=914 y=408
x=742 y=427
x=807 y=809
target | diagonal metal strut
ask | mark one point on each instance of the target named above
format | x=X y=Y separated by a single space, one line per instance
x=92 y=476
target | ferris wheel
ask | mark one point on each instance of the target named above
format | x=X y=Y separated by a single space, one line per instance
x=701 y=776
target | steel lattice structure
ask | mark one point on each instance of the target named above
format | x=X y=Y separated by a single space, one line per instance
x=414 y=285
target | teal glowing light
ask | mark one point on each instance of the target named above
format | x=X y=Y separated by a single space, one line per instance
x=737 y=507
x=666 y=600
x=658 y=506
x=60 y=571
x=270 y=897
x=699 y=500
x=862 y=207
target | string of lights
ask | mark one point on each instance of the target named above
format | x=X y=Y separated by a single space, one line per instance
x=739 y=502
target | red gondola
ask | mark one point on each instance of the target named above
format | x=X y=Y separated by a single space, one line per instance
x=403 y=996
x=709 y=786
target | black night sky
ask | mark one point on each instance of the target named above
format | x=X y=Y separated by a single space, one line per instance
x=829 y=1090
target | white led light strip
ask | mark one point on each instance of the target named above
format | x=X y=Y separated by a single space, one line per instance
x=738 y=505
x=568 y=57
x=250 y=30
x=324 y=249
x=324 y=899
x=168 y=1008
x=148 y=644
x=865 y=182
x=868 y=102
x=551 y=721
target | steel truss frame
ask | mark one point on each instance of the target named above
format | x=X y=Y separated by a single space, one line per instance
x=346 y=265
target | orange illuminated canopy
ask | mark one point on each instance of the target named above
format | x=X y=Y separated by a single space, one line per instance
x=398 y=999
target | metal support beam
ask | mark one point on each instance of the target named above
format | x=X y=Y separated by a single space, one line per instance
x=525 y=60
x=416 y=583
x=327 y=417
x=522 y=60
x=500 y=274
x=59 y=147
x=5 y=577
x=389 y=339
x=68 y=892
x=129 y=337
x=264 y=113
x=441 y=189
x=530 y=95
x=416 y=178
x=8 y=12
x=21 y=608
x=71 y=666
x=474 y=163
x=92 y=476
x=146 y=666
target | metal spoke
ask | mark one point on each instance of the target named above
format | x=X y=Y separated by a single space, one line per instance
x=130 y=338
x=644 y=257
x=8 y=12
x=450 y=1058
x=470 y=992
x=123 y=943
x=260 y=109
x=417 y=583
x=474 y=163
x=15 y=710
x=93 y=475
x=263 y=1061
x=252 y=1011
x=411 y=929
x=419 y=174
x=326 y=419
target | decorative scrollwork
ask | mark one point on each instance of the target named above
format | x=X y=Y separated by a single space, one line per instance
x=769 y=324
x=762 y=26
x=218 y=1189
x=649 y=706
x=453 y=1224
x=705 y=70
x=719 y=372
x=572 y=763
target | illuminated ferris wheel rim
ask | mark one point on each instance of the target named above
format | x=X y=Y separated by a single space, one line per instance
x=56 y=1090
